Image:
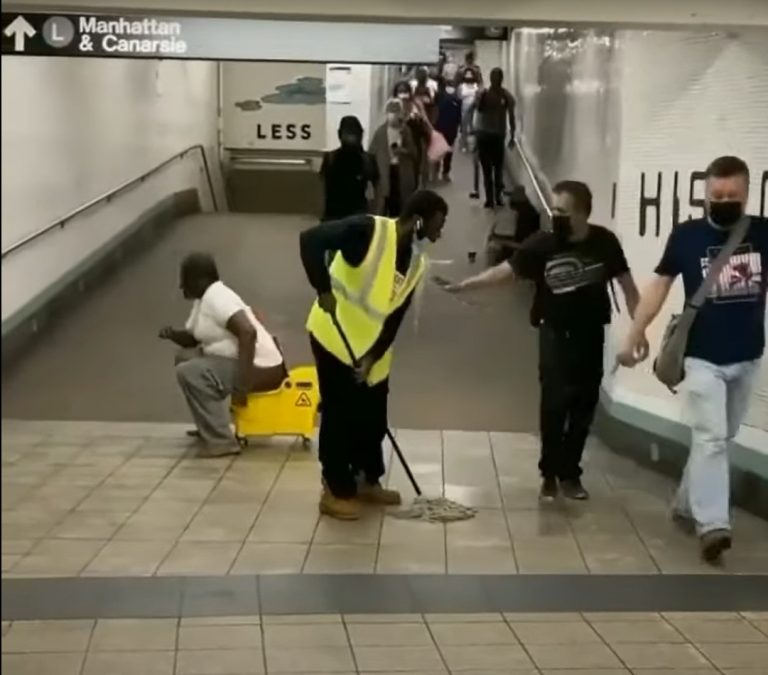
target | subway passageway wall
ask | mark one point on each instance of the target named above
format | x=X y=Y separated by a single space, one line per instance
x=73 y=129
x=638 y=115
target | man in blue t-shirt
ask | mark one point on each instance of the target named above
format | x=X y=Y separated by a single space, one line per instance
x=725 y=344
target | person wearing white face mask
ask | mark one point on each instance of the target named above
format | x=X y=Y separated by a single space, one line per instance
x=395 y=154
x=448 y=121
x=724 y=345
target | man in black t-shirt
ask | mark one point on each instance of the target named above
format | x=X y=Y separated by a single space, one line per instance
x=571 y=268
x=347 y=172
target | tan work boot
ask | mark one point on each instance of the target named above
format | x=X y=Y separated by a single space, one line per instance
x=375 y=494
x=342 y=509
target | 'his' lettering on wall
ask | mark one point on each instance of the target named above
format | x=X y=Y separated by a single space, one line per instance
x=653 y=200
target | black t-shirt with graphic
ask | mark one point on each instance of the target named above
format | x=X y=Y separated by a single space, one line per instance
x=572 y=278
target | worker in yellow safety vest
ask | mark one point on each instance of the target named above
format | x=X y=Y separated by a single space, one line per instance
x=365 y=270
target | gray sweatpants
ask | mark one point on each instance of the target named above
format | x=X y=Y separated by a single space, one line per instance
x=207 y=383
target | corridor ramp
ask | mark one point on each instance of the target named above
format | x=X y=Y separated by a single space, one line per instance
x=459 y=364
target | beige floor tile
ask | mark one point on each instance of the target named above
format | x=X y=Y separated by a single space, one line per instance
x=284 y=528
x=47 y=636
x=409 y=659
x=298 y=619
x=559 y=633
x=740 y=671
x=255 y=558
x=428 y=672
x=9 y=561
x=688 y=617
x=761 y=625
x=591 y=655
x=114 y=635
x=660 y=656
x=488 y=657
x=129 y=558
x=383 y=618
x=199 y=557
x=414 y=558
x=6 y=625
x=736 y=655
x=485 y=559
x=363 y=531
x=479 y=617
x=18 y=546
x=389 y=635
x=305 y=635
x=220 y=637
x=90 y=525
x=542 y=617
x=755 y=616
x=537 y=523
x=616 y=554
x=220 y=662
x=147 y=528
x=548 y=555
x=246 y=620
x=487 y=528
x=455 y=634
x=42 y=664
x=63 y=557
x=341 y=559
x=129 y=663
x=658 y=631
x=313 y=660
x=706 y=670
x=592 y=671
x=220 y=523
x=605 y=617
x=411 y=532
x=720 y=631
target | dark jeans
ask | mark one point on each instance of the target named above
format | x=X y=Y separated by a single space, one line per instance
x=447 y=163
x=490 y=150
x=570 y=372
x=393 y=203
x=352 y=426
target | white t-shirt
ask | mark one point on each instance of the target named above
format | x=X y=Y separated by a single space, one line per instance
x=394 y=137
x=208 y=324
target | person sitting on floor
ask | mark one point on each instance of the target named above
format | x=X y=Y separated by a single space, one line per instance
x=225 y=352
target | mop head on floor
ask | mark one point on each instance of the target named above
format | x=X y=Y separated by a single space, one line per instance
x=435 y=510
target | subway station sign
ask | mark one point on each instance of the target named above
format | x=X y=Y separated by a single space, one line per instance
x=133 y=36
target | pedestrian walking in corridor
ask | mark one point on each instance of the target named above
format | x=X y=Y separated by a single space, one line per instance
x=376 y=265
x=571 y=267
x=724 y=345
x=493 y=110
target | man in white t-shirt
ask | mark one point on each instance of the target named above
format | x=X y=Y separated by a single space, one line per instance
x=226 y=352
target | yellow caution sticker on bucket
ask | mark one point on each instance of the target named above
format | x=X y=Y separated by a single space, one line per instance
x=303 y=401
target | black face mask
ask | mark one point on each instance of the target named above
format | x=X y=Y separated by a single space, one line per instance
x=725 y=214
x=561 y=227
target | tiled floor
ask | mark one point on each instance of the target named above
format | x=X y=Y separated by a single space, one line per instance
x=467 y=644
x=128 y=500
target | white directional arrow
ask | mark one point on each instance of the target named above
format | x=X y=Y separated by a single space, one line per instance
x=19 y=29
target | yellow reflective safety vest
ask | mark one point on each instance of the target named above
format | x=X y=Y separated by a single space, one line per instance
x=365 y=297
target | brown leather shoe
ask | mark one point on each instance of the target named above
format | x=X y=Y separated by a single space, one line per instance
x=713 y=543
x=375 y=494
x=342 y=509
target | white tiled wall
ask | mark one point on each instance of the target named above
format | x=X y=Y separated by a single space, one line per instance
x=606 y=108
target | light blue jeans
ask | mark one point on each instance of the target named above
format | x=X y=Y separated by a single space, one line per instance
x=718 y=399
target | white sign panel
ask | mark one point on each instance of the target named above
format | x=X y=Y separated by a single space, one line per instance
x=274 y=106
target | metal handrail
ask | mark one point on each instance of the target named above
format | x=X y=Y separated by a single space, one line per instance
x=108 y=196
x=532 y=175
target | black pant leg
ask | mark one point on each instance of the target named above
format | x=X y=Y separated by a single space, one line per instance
x=485 y=155
x=498 y=167
x=338 y=390
x=393 y=204
x=368 y=458
x=554 y=402
x=447 y=163
x=587 y=373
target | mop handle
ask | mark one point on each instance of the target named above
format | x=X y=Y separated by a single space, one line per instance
x=390 y=435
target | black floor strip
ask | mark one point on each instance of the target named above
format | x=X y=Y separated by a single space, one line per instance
x=135 y=597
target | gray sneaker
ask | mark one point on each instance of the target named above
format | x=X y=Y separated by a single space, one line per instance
x=713 y=543
x=573 y=489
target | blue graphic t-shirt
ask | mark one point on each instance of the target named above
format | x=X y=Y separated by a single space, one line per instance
x=730 y=326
